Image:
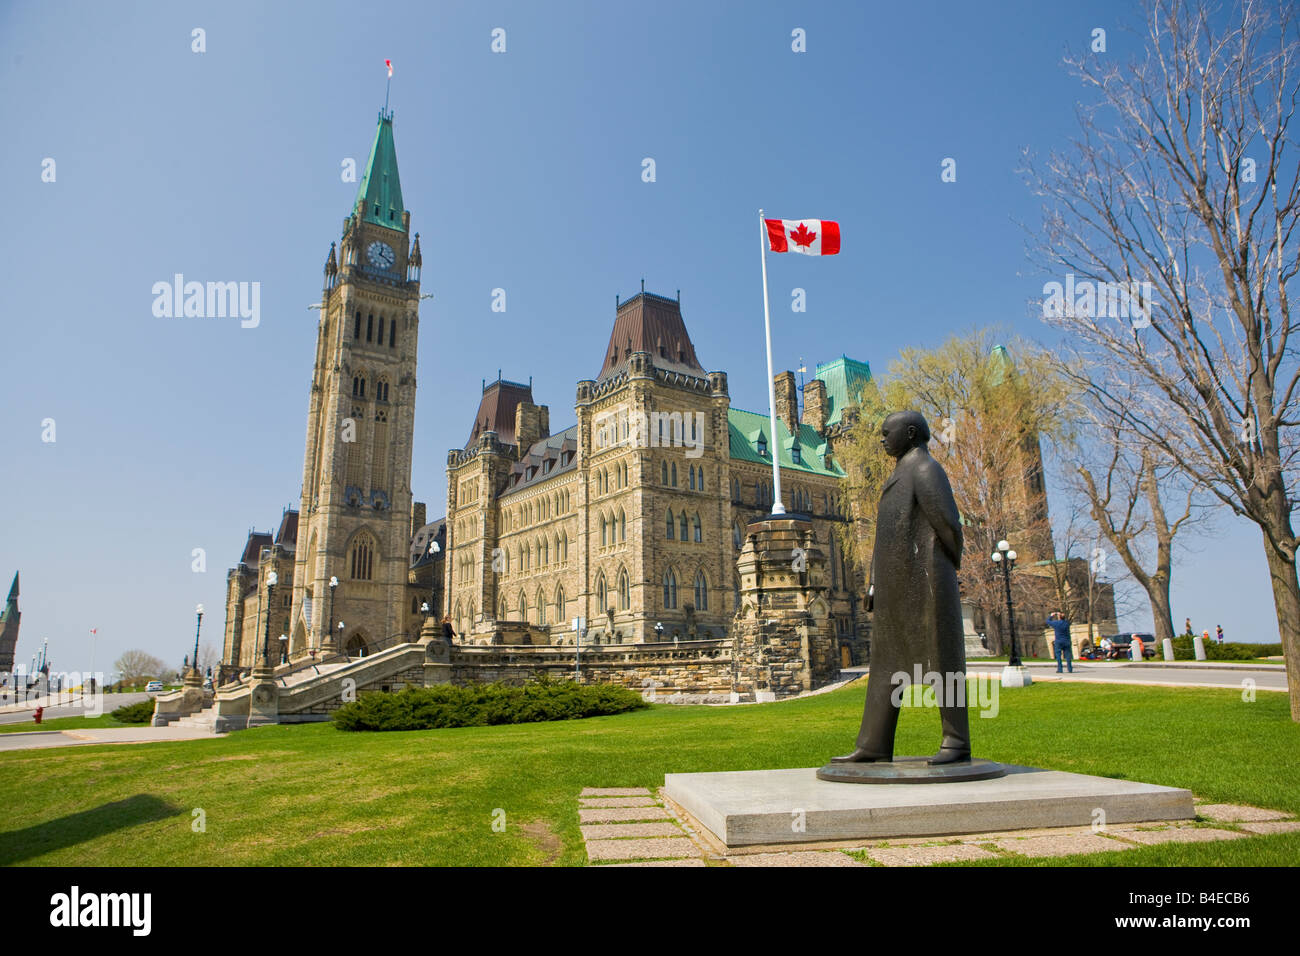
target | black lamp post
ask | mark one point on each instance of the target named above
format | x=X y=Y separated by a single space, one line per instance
x=197 y=627
x=329 y=634
x=659 y=630
x=1005 y=558
x=284 y=648
x=271 y=580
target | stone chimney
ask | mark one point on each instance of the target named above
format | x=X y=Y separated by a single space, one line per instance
x=418 y=512
x=532 y=422
x=814 y=405
x=787 y=401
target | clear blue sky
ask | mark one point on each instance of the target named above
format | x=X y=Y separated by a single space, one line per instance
x=522 y=171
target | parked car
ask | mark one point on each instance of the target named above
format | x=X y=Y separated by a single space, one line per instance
x=1120 y=644
x=153 y=687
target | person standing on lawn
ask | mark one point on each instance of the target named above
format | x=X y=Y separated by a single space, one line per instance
x=1219 y=632
x=1060 y=626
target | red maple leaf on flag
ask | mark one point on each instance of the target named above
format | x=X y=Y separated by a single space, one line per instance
x=802 y=237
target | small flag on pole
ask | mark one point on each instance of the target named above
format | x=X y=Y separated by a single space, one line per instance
x=389 y=64
x=812 y=237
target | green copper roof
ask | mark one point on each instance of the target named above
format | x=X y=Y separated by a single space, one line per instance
x=1001 y=362
x=746 y=427
x=380 y=187
x=843 y=377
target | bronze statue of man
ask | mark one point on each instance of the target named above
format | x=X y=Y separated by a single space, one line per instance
x=917 y=604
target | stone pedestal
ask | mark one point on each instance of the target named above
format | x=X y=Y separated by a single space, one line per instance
x=1016 y=676
x=263 y=698
x=437 y=654
x=748 y=808
x=784 y=638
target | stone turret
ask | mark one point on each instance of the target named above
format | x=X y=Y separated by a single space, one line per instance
x=785 y=641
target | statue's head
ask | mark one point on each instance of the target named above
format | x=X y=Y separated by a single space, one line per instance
x=903 y=431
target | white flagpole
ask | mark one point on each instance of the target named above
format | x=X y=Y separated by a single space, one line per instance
x=774 y=441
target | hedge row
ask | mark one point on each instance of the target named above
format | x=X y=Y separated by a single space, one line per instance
x=140 y=712
x=479 y=705
x=1185 y=651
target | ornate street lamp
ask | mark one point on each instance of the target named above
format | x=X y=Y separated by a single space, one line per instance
x=271 y=580
x=659 y=630
x=197 y=627
x=1013 y=675
x=284 y=648
x=329 y=634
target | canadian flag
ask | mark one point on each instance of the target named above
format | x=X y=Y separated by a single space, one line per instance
x=812 y=237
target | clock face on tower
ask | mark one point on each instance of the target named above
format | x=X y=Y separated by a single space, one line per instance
x=380 y=254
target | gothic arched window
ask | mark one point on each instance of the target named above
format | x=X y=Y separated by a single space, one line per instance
x=670 y=589
x=670 y=524
x=682 y=525
x=362 y=558
x=701 y=591
x=370 y=326
x=601 y=593
x=624 y=595
x=392 y=334
x=698 y=530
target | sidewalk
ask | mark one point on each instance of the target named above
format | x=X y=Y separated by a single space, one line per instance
x=42 y=739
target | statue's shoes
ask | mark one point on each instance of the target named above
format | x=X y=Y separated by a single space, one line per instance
x=948 y=755
x=861 y=756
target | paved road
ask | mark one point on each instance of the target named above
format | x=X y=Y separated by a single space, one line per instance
x=1168 y=675
x=22 y=713
x=1189 y=674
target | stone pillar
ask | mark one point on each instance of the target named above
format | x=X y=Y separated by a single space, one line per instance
x=437 y=654
x=263 y=697
x=783 y=637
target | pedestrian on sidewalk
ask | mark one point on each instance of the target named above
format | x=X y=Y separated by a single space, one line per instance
x=1060 y=626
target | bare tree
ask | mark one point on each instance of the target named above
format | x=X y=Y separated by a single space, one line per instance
x=1177 y=207
x=135 y=666
x=1129 y=489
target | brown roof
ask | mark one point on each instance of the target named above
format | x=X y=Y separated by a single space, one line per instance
x=496 y=410
x=287 y=536
x=650 y=323
x=257 y=540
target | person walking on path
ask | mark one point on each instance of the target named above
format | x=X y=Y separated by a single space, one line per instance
x=1060 y=626
x=1219 y=632
x=1187 y=628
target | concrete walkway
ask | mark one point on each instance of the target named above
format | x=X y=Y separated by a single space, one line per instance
x=41 y=739
x=632 y=827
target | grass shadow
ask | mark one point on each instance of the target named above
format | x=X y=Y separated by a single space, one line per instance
x=62 y=832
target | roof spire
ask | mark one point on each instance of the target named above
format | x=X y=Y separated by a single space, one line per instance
x=379 y=199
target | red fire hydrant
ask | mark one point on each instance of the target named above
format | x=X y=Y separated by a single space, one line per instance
x=39 y=712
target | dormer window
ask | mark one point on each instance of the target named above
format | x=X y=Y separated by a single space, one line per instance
x=762 y=446
x=796 y=454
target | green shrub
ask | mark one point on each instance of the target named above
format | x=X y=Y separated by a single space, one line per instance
x=479 y=705
x=137 y=713
x=1184 y=650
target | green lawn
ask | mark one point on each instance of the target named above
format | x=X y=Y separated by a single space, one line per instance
x=64 y=723
x=312 y=795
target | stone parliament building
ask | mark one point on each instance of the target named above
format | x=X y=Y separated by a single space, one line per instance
x=647 y=523
x=631 y=520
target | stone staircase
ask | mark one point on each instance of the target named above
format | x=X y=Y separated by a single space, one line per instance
x=206 y=719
